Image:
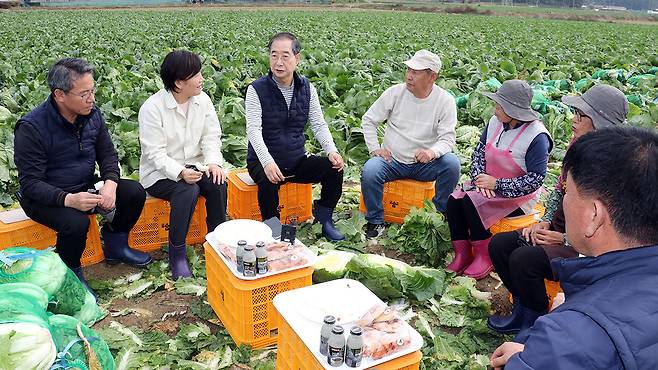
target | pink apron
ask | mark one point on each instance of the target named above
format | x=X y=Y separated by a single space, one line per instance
x=500 y=164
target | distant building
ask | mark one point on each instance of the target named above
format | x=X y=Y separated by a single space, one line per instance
x=609 y=7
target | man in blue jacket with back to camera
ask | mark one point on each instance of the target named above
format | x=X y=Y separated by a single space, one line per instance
x=610 y=317
x=56 y=148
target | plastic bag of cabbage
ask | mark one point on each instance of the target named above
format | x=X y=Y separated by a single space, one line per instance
x=25 y=333
x=30 y=338
x=385 y=277
x=66 y=295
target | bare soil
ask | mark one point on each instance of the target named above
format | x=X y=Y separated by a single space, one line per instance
x=163 y=310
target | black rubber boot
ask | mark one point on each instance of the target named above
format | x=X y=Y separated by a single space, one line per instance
x=508 y=324
x=529 y=318
x=116 y=249
x=324 y=216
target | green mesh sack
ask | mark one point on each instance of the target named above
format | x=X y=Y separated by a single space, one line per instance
x=46 y=270
x=25 y=334
x=637 y=78
x=493 y=84
x=583 y=84
x=31 y=291
x=73 y=352
x=23 y=303
x=461 y=101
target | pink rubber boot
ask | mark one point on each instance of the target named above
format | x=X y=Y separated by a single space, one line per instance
x=463 y=256
x=481 y=265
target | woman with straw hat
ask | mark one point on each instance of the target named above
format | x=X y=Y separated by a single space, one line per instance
x=507 y=170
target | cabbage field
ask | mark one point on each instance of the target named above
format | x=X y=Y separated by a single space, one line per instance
x=351 y=57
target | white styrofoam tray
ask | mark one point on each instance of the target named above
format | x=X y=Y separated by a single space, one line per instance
x=304 y=309
x=252 y=232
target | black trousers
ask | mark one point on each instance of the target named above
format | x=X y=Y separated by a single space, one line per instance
x=522 y=269
x=464 y=221
x=310 y=170
x=72 y=225
x=183 y=197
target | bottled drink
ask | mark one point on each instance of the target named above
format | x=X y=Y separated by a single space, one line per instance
x=239 y=253
x=261 y=258
x=325 y=333
x=336 y=347
x=249 y=261
x=354 y=348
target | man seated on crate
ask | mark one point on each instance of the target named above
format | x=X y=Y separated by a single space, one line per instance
x=610 y=317
x=278 y=107
x=418 y=140
x=56 y=148
x=181 y=156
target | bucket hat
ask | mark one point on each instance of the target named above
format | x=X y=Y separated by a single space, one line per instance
x=515 y=96
x=604 y=104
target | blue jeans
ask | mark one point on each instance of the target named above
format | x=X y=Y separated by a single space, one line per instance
x=444 y=170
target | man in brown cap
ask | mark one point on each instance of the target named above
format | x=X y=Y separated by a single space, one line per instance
x=418 y=140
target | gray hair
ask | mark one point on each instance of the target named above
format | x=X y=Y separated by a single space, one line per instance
x=296 y=45
x=66 y=71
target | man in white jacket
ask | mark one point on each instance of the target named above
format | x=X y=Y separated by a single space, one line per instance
x=418 y=140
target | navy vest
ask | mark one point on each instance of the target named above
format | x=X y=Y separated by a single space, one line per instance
x=283 y=128
x=71 y=148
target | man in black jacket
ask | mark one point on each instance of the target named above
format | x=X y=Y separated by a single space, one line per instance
x=57 y=146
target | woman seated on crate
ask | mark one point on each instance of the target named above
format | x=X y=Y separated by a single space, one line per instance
x=507 y=171
x=181 y=151
x=520 y=264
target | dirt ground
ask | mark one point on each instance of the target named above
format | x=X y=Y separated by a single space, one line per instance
x=163 y=310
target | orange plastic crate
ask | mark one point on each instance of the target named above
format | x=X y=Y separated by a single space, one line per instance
x=293 y=354
x=152 y=228
x=29 y=233
x=514 y=223
x=295 y=200
x=245 y=306
x=402 y=195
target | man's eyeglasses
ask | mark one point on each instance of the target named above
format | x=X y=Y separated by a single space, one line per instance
x=85 y=95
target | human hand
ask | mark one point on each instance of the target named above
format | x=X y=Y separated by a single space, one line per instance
x=216 y=173
x=384 y=153
x=486 y=192
x=547 y=237
x=273 y=173
x=425 y=155
x=82 y=201
x=528 y=232
x=336 y=161
x=190 y=175
x=502 y=354
x=109 y=193
x=485 y=181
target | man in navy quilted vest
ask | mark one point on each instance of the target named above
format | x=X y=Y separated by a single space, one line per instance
x=278 y=107
x=57 y=146
x=609 y=319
